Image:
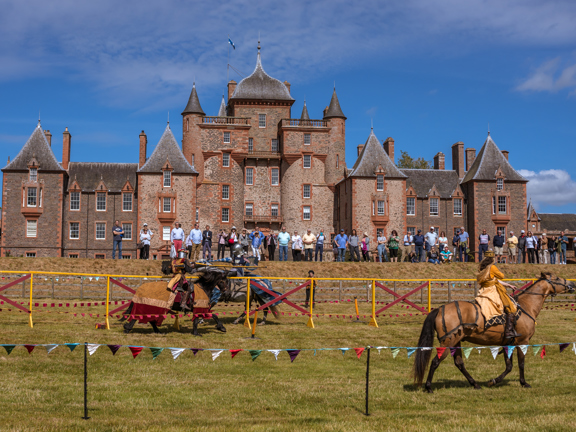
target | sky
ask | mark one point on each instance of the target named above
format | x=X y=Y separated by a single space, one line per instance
x=426 y=73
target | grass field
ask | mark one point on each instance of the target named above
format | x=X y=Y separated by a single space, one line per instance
x=316 y=392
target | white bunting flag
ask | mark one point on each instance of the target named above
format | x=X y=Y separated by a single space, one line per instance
x=494 y=351
x=176 y=352
x=50 y=347
x=215 y=354
x=275 y=352
x=523 y=348
x=92 y=348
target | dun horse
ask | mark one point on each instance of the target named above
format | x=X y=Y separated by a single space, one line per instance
x=461 y=321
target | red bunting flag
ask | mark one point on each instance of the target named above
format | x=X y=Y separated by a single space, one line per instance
x=233 y=352
x=359 y=352
x=543 y=352
x=440 y=351
x=30 y=348
x=135 y=350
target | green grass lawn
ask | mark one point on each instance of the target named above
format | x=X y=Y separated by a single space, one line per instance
x=316 y=392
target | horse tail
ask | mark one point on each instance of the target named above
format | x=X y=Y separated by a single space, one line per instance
x=426 y=340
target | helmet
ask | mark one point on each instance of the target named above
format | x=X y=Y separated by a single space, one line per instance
x=182 y=253
x=237 y=250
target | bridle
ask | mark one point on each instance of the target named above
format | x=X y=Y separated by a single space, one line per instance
x=553 y=283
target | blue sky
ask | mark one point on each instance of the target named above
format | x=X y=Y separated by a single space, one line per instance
x=426 y=73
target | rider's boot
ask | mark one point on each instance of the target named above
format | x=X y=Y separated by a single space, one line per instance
x=509 y=330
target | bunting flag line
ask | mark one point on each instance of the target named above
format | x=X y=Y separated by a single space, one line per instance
x=275 y=352
x=359 y=352
x=92 y=348
x=395 y=352
x=30 y=348
x=195 y=350
x=343 y=350
x=294 y=353
x=216 y=353
x=176 y=352
x=535 y=349
x=524 y=349
x=156 y=352
x=72 y=346
x=452 y=351
x=410 y=351
x=114 y=348
x=233 y=352
x=440 y=351
x=467 y=351
x=543 y=353
x=509 y=350
x=494 y=351
x=50 y=348
x=563 y=346
x=9 y=348
x=255 y=354
x=135 y=350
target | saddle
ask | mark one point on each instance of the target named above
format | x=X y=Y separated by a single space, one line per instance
x=501 y=319
x=201 y=299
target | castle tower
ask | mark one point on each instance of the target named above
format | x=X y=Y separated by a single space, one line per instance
x=191 y=137
x=335 y=161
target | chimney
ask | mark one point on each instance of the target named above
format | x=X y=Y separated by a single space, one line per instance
x=287 y=84
x=143 y=142
x=470 y=157
x=439 y=161
x=231 y=88
x=389 y=147
x=48 y=137
x=458 y=158
x=360 y=148
x=67 y=142
x=505 y=153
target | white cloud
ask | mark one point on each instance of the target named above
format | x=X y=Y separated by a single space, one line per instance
x=550 y=76
x=550 y=187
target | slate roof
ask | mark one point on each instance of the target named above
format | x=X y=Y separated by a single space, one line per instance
x=422 y=180
x=89 y=174
x=373 y=154
x=168 y=149
x=304 y=115
x=557 y=221
x=260 y=85
x=193 y=106
x=37 y=146
x=530 y=210
x=222 y=110
x=489 y=159
x=334 y=109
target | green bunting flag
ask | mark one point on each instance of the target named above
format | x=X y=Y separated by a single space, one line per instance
x=255 y=354
x=536 y=348
x=467 y=351
x=71 y=346
x=156 y=352
x=9 y=348
x=395 y=352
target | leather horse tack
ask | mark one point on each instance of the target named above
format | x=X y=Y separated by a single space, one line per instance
x=459 y=326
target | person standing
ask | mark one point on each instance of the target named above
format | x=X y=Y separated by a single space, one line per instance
x=522 y=248
x=431 y=239
x=244 y=240
x=319 y=245
x=381 y=247
x=117 y=234
x=498 y=243
x=308 y=239
x=341 y=241
x=365 y=245
x=196 y=239
x=296 y=247
x=283 y=240
x=145 y=238
x=531 y=242
x=407 y=246
x=543 y=249
x=563 y=247
x=393 y=243
x=484 y=242
x=464 y=237
x=257 y=230
x=558 y=245
x=188 y=244
x=455 y=245
x=233 y=239
x=552 y=249
x=442 y=241
x=512 y=244
x=222 y=236
x=177 y=236
x=353 y=245
x=256 y=243
x=419 y=245
x=271 y=245
x=207 y=243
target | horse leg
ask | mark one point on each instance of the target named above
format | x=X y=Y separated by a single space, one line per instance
x=499 y=379
x=459 y=362
x=195 y=327
x=263 y=322
x=129 y=326
x=433 y=366
x=154 y=326
x=237 y=320
x=128 y=311
x=219 y=325
x=521 y=367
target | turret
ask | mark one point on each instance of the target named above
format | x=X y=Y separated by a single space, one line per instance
x=335 y=161
x=191 y=145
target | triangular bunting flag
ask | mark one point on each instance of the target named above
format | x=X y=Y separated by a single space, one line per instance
x=563 y=346
x=294 y=353
x=176 y=352
x=343 y=350
x=359 y=352
x=135 y=350
x=92 y=348
x=574 y=347
x=255 y=354
x=494 y=351
x=452 y=351
x=50 y=348
x=509 y=350
x=395 y=352
x=195 y=350
x=114 y=348
x=72 y=346
x=30 y=348
x=440 y=351
x=379 y=348
x=536 y=349
x=275 y=352
x=233 y=352
x=467 y=351
x=215 y=354
x=9 y=348
x=156 y=352
x=523 y=348
x=410 y=351
x=543 y=353
x=480 y=349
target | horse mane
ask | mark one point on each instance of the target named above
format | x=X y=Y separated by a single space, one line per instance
x=208 y=279
x=543 y=276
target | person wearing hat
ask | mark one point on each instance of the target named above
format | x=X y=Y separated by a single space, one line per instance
x=493 y=298
x=512 y=243
x=446 y=255
x=145 y=238
x=341 y=241
x=431 y=239
x=419 y=245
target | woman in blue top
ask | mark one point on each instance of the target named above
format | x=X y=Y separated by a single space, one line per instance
x=256 y=242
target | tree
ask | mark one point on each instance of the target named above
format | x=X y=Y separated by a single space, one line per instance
x=406 y=161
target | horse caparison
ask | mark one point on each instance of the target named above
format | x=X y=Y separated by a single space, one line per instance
x=460 y=322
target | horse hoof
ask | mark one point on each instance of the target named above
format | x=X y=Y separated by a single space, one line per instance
x=477 y=387
x=127 y=331
x=492 y=383
x=429 y=391
x=222 y=329
x=526 y=385
x=262 y=323
x=236 y=322
x=196 y=334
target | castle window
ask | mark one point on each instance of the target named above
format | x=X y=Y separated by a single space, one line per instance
x=33 y=174
x=226 y=160
x=274 y=145
x=306 y=139
x=30 y=254
x=193 y=160
x=225 y=192
x=197 y=214
x=307 y=161
x=225 y=215
x=433 y=206
x=306 y=213
x=249 y=209
x=307 y=189
x=457 y=202
x=74 y=230
x=250 y=145
x=262 y=120
x=32 y=197
x=493 y=205
x=167 y=178
x=380 y=182
x=126 y=202
x=502 y=231
x=31 y=228
x=274 y=177
x=74 y=201
x=187 y=124
x=100 y=201
x=337 y=161
x=100 y=230
x=127 y=228
x=249 y=176
x=500 y=184
x=381 y=208
x=72 y=255
x=274 y=210
x=411 y=231
x=226 y=137
x=501 y=205
x=166 y=233
x=411 y=206
x=167 y=204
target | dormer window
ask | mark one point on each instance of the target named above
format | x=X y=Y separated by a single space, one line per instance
x=33 y=174
x=167 y=178
x=500 y=184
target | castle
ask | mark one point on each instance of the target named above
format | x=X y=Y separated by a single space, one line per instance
x=251 y=165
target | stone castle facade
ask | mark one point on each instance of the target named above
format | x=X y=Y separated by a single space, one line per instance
x=251 y=165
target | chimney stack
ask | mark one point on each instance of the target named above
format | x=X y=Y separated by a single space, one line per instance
x=360 y=148
x=505 y=153
x=470 y=157
x=143 y=143
x=67 y=142
x=439 y=161
x=458 y=158
x=48 y=137
x=389 y=147
x=287 y=84
x=231 y=88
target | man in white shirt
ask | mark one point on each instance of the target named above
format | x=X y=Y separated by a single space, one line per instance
x=196 y=238
x=177 y=237
x=431 y=239
x=407 y=245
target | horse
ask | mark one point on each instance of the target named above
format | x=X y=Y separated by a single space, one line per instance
x=237 y=294
x=458 y=322
x=153 y=299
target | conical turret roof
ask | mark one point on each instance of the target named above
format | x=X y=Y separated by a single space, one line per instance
x=304 y=115
x=168 y=149
x=334 y=110
x=372 y=156
x=222 y=110
x=36 y=147
x=193 y=106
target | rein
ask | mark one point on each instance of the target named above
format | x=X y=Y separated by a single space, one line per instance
x=551 y=282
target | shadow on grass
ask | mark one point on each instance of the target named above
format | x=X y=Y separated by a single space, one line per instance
x=449 y=383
